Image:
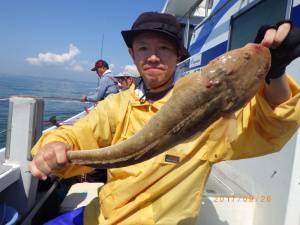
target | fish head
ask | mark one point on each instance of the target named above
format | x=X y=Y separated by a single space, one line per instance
x=243 y=71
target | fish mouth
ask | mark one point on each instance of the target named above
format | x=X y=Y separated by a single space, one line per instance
x=256 y=47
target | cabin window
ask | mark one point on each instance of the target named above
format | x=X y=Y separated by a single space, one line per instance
x=245 y=24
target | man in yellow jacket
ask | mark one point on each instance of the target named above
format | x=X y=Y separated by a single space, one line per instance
x=159 y=190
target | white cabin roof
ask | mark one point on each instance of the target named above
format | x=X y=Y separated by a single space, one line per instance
x=181 y=8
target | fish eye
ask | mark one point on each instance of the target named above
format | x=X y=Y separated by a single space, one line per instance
x=247 y=56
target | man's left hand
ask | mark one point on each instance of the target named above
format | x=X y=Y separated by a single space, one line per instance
x=283 y=39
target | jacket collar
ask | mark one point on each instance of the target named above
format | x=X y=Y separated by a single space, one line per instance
x=106 y=72
x=136 y=94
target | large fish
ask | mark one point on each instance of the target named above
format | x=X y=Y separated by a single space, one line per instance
x=222 y=87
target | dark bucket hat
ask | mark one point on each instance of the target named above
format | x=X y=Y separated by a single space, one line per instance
x=158 y=22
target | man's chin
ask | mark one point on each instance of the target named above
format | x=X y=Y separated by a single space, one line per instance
x=152 y=83
x=154 y=80
x=150 y=78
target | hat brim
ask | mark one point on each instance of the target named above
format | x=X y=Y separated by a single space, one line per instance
x=129 y=35
x=125 y=75
x=94 y=69
x=118 y=75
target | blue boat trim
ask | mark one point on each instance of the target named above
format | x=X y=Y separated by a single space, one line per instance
x=210 y=25
x=295 y=15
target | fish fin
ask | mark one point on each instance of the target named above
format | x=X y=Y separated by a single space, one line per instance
x=146 y=149
x=227 y=128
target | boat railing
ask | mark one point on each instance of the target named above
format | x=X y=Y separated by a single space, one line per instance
x=18 y=188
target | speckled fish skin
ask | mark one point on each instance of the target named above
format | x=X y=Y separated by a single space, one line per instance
x=222 y=87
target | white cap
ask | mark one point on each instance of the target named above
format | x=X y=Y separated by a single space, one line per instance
x=129 y=71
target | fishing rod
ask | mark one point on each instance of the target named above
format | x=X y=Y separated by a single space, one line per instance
x=53 y=120
x=60 y=98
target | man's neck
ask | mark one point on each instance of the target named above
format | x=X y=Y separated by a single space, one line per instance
x=160 y=88
x=154 y=94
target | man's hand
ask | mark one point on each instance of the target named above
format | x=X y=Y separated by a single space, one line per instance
x=83 y=98
x=283 y=39
x=51 y=157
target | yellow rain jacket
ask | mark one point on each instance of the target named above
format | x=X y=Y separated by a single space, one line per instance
x=167 y=189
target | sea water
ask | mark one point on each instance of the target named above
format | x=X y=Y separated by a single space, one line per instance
x=44 y=87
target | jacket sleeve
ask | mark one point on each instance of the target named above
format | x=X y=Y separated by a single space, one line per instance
x=104 y=84
x=262 y=129
x=92 y=131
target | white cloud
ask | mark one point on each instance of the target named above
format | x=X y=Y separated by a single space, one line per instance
x=52 y=58
x=75 y=66
x=78 y=68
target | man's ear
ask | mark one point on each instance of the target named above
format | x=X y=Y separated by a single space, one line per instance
x=179 y=56
x=131 y=53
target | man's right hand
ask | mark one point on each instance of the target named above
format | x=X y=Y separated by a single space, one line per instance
x=83 y=98
x=51 y=157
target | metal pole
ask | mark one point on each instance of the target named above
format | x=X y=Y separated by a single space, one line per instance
x=102 y=45
x=23 y=130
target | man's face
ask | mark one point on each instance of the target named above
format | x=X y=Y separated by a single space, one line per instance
x=100 y=71
x=156 y=57
x=125 y=82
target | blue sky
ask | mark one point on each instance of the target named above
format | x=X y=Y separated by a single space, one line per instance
x=62 y=38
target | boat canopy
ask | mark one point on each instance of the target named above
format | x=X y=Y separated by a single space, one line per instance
x=187 y=8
